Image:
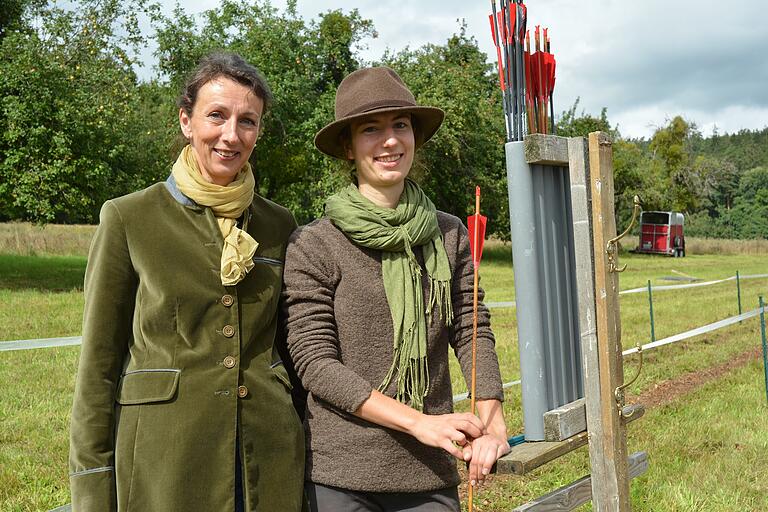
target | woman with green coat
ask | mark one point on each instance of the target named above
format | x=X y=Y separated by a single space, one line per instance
x=182 y=402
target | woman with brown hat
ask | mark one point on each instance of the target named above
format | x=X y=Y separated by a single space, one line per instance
x=376 y=292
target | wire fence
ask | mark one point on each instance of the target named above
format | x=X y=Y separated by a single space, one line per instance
x=77 y=340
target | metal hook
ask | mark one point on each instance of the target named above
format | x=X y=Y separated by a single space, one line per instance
x=618 y=393
x=612 y=246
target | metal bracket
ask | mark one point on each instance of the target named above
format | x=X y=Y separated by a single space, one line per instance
x=618 y=393
x=613 y=244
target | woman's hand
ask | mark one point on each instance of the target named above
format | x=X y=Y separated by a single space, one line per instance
x=448 y=431
x=483 y=453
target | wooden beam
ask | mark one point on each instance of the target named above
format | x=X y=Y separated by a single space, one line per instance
x=565 y=421
x=526 y=457
x=578 y=493
x=610 y=483
x=581 y=205
x=546 y=150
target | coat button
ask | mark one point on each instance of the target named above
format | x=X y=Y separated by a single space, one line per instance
x=229 y=362
x=228 y=331
x=242 y=391
x=227 y=300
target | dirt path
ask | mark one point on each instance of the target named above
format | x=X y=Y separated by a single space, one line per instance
x=669 y=390
x=661 y=394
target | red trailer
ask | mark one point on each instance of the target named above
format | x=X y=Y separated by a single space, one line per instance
x=662 y=233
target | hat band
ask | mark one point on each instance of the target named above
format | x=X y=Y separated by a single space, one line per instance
x=376 y=105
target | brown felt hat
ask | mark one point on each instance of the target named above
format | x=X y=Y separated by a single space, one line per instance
x=373 y=91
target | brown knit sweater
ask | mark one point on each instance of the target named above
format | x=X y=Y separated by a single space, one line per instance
x=340 y=337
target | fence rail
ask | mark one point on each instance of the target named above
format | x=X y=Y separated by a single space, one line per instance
x=76 y=340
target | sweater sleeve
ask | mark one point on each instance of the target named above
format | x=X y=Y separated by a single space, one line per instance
x=110 y=292
x=310 y=279
x=488 y=384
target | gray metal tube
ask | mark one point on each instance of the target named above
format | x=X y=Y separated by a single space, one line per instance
x=529 y=313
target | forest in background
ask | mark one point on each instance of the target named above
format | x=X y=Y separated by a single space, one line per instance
x=78 y=126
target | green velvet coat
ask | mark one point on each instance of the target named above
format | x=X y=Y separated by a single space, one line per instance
x=176 y=370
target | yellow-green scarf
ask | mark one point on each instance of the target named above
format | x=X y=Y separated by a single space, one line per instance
x=227 y=203
x=394 y=231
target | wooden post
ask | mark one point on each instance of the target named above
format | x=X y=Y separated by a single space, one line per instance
x=610 y=478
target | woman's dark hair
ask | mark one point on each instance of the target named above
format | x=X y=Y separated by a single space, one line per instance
x=227 y=65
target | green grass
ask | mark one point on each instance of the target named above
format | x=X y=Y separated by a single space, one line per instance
x=23 y=238
x=41 y=296
x=36 y=399
x=706 y=450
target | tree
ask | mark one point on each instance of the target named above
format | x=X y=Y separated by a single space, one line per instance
x=572 y=125
x=13 y=15
x=303 y=66
x=68 y=91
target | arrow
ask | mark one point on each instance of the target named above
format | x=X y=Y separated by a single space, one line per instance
x=551 y=64
x=476 y=225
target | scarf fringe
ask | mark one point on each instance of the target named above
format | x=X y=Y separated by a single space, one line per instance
x=411 y=365
x=412 y=376
x=440 y=299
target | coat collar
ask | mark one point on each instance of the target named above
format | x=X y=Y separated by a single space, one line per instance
x=173 y=189
x=178 y=195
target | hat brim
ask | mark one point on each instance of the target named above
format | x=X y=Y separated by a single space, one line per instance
x=428 y=119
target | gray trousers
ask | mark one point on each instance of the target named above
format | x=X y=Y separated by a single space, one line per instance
x=324 y=498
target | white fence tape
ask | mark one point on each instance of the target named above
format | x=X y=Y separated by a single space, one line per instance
x=697 y=331
x=691 y=285
x=666 y=341
x=41 y=343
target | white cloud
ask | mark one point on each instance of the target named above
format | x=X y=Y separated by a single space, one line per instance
x=645 y=61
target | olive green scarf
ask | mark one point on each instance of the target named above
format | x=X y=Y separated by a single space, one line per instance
x=395 y=231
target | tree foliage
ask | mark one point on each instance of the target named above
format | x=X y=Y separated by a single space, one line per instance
x=77 y=126
x=68 y=93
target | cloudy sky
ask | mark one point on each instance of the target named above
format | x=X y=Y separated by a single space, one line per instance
x=645 y=61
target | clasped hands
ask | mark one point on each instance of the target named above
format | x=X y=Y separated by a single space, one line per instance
x=467 y=438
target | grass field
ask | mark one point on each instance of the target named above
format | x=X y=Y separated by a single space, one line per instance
x=706 y=449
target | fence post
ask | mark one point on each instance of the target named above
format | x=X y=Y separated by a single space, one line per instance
x=738 y=290
x=650 y=307
x=765 y=347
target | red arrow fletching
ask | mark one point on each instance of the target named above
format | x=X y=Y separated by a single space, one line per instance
x=502 y=27
x=523 y=20
x=476 y=226
x=549 y=59
x=476 y=247
x=493 y=31
x=511 y=13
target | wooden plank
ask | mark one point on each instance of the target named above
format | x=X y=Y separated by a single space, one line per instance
x=610 y=484
x=581 y=201
x=526 y=457
x=546 y=150
x=632 y=412
x=565 y=421
x=578 y=493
